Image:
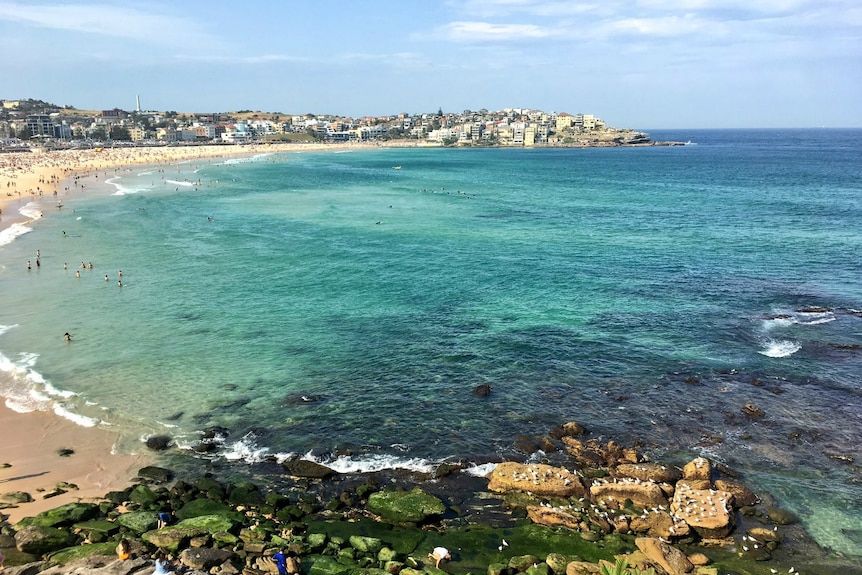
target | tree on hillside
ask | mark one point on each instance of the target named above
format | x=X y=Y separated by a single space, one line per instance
x=120 y=133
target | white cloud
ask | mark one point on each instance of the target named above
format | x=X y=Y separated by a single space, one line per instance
x=106 y=20
x=668 y=26
x=487 y=31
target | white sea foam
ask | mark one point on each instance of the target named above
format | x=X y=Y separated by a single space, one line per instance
x=81 y=420
x=779 y=348
x=777 y=322
x=254 y=158
x=9 y=235
x=246 y=449
x=481 y=470
x=178 y=183
x=816 y=318
x=120 y=189
x=32 y=210
x=145 y=174
x=372 y=463
x=26 y=390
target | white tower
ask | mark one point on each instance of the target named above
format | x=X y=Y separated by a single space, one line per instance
x=138 y=102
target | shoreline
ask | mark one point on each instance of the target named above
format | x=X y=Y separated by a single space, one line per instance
x=34 y=438
x=31 y=449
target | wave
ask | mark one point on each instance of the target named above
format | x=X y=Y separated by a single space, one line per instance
x=786 y=319
x=254 y=158
x=32 y=211
x=178 y=183
x=248 y=450
x=26 y=390
x=120 y=189
x=10 y=234
x=779 y=348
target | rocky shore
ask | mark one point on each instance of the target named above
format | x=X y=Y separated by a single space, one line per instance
x=590 y=507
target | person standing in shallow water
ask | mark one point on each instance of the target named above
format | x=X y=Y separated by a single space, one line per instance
x=67 y=336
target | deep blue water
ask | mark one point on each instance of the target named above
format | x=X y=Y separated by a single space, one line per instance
x=332 y=302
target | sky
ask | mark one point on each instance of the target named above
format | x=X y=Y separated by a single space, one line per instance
x=633 y=63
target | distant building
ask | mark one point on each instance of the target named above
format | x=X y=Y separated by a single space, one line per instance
x=40 y=126
x=62 y=131
x=115 y=113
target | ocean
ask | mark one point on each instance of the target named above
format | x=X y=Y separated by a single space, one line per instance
x=345 y=305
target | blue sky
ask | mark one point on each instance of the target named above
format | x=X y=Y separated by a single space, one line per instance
x=639 y=63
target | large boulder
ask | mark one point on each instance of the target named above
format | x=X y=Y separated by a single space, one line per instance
x=143 y=495
x=742 y=496
x=644 y=494
x=400 y=506
x=63 y=515
x=697 y=469
x=204 y=558
x=659 y=524
x=325 y=565
x=366 y=545
x=138 y=521
x=307 y=469
x=39 y=540
x=536 y=478
x=174 y=537
x=655 y=472
x=670 y=559
x=553 y=516
x=707 y=511
x=245 y=494
x=202 y=507
x=155 y=474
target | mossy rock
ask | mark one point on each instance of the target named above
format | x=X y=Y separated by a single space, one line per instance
x=16 y=497
x=143 y=496
x=245 y=494
x=63 y=515
x=403 y=541
x=39 y=540
x=538 y=569
x=155 y=474
x=209 y=523
x=558 y=562
x=366 y=545
x=172 y=538
x=139 y=521
x=99 y=526
x=69 y=554
x=201 y=507
x=323 y=565
x=211 y=488
x=225 y=538
x=399 y=506
x=522 y=562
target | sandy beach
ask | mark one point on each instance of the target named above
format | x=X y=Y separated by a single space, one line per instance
x=29 y=451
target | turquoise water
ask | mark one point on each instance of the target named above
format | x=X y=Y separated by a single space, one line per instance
x=328 y=302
